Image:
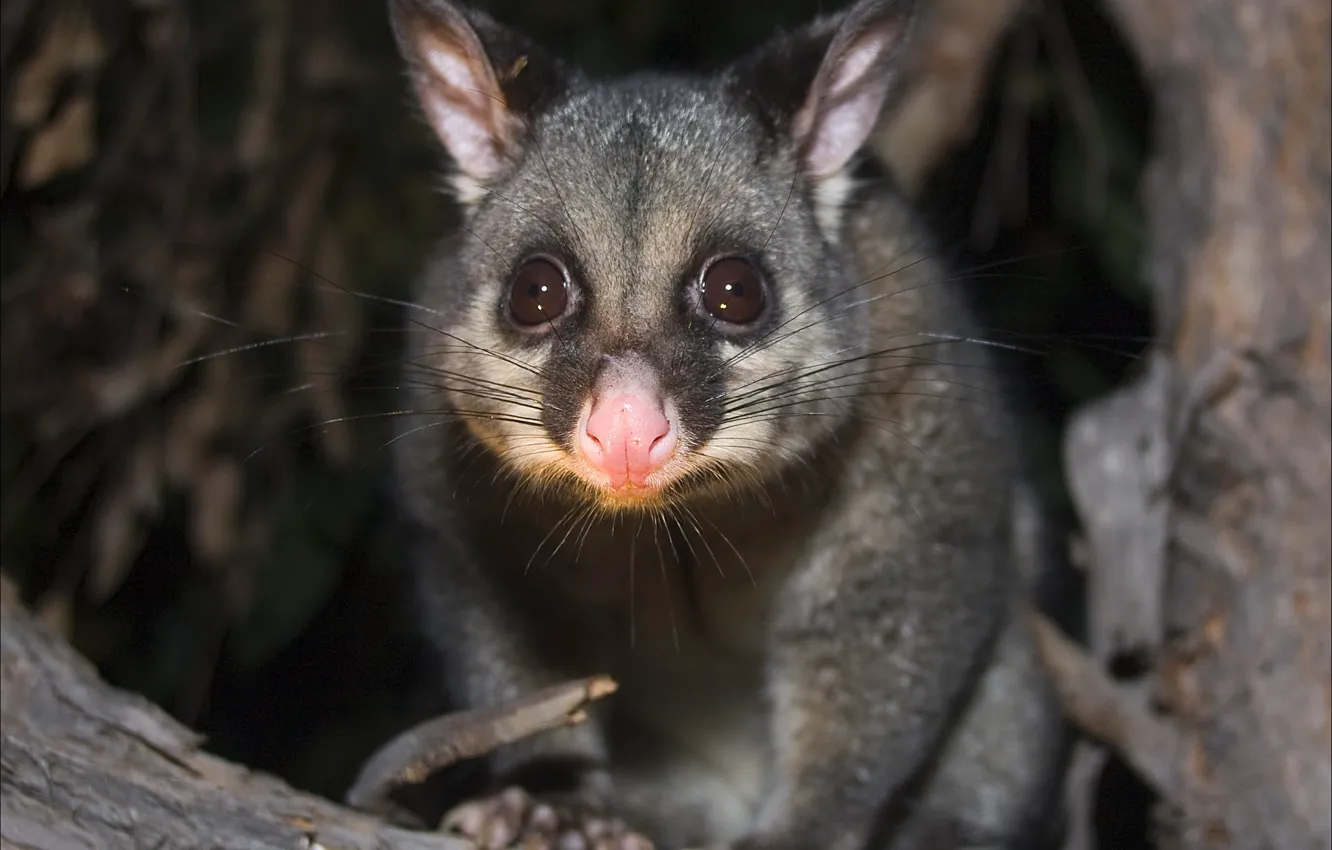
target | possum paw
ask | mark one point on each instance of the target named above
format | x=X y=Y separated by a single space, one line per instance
x=514 y=819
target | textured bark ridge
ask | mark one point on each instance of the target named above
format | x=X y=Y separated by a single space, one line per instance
x=83 y=766
x=1208 y=480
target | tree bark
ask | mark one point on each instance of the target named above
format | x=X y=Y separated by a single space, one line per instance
x=1223 y=446
x=84 y=765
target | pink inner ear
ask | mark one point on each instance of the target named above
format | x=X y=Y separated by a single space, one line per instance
x=463 y=107
x=451 y=69
x=848 y=107
x=856 y=63
x=467 y=140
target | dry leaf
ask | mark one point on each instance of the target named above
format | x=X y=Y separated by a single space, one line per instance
x=116 y=391
x=192 y=428
x=270 y=303
x=65 y=144
x=215 y=515
x=254 y=141
x=117 y=539
x=72 y=43
x=122 y=521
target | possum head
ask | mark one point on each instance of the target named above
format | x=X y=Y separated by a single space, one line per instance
x=648 y=298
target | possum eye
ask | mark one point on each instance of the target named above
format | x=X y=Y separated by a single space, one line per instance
x=732 y=291
x=539 y=293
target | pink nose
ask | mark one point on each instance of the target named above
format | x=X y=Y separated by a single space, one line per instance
x=628 y=437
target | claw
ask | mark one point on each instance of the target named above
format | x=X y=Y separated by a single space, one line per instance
x=514 y=819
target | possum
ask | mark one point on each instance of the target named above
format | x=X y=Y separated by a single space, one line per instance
x=693 y=403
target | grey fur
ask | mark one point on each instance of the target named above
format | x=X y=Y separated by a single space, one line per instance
x=814 y=632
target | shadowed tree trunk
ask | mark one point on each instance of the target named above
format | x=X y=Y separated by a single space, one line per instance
x=1205 y=485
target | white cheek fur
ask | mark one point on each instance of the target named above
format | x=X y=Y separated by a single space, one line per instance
x=830 y=196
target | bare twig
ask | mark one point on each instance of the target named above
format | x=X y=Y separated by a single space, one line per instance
x=435 y=744
x=1113 y=715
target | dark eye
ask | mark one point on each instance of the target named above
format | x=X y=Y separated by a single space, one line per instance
x=538 y=293
x=732 y=291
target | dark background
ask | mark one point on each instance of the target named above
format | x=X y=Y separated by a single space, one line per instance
x=182 y=180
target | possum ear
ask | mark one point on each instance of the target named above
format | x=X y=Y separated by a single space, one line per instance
x=853 y=82
x=823 y=86
x=479 y=84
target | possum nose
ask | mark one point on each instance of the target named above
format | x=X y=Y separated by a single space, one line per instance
x=628 y=437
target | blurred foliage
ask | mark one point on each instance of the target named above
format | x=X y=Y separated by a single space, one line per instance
x=207 y=209
x=201 y=204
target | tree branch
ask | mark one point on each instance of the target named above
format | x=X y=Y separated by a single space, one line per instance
x=84 y=765
x=435 y=744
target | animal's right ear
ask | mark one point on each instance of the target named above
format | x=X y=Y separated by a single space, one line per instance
x=825 y=85
x=479 y=84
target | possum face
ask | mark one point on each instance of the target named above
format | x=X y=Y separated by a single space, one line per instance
x=647 y=298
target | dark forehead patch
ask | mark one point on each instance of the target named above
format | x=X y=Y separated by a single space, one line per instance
x=644 y=143
x=634 y=141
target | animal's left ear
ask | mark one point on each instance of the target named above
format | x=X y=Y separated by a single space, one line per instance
x=824 y=86
x=852 y=84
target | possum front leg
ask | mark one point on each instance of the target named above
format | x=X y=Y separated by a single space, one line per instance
x=874 y=644
x=551 y=790
x=489 y=658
